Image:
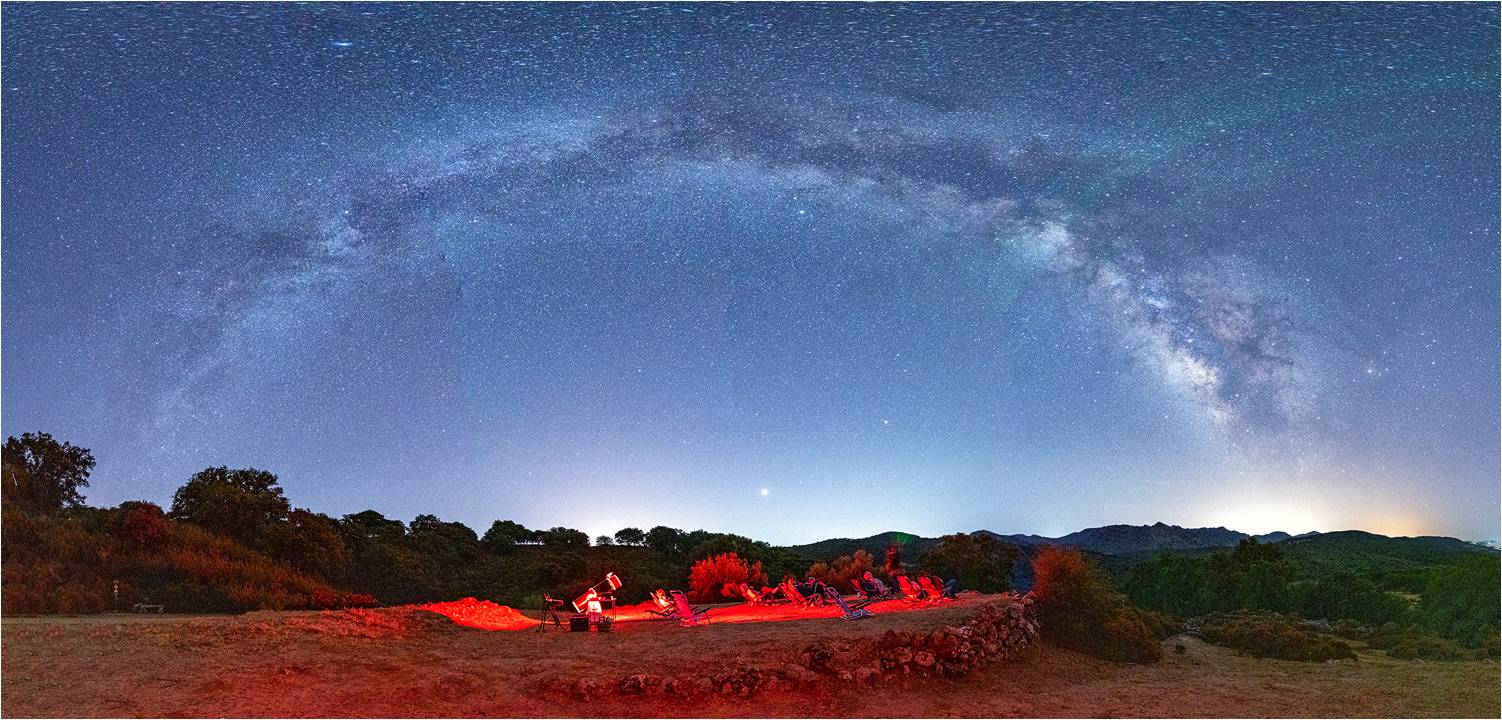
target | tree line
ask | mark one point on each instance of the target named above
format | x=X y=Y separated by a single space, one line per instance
x=230 y=540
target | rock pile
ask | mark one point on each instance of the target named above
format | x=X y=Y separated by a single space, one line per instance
x=998 y=631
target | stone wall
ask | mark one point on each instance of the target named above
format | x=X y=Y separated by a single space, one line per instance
x=999 y=630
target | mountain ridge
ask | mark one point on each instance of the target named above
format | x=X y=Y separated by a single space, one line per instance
x=1127 y=540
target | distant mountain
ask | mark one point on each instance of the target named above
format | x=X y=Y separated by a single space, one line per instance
x=1138 y=539
x=1346 y=547
x=912 y=546
x=1362 y=552
x=1107 y=540
x=1119 y=547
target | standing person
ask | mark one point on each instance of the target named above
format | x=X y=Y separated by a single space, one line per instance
x=894 y=561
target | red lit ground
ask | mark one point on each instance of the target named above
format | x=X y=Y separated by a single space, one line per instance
x=486 y=615
x=400 y=662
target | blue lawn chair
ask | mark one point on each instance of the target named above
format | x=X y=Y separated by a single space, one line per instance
x=850 y=613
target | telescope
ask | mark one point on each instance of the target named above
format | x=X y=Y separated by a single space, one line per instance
x=590 y=600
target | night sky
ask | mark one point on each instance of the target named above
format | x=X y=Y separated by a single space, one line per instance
x=791 y=271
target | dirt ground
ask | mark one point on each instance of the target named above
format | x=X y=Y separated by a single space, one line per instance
x=392 y=663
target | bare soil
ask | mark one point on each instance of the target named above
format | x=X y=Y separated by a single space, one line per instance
x=401 y=662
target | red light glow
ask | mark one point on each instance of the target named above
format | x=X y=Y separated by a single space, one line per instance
x=481 y=614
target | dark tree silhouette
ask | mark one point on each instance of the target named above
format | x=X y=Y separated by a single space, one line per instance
x=630 y=536
x=562 y=537
x=310 y=542
x=239 y=504
x=42 y=475
x=371 y=525
x=504 y=535
x=666 y=540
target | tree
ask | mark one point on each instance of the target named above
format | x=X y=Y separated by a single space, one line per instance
x=1462 y=600
x=371 y=525
x=42 y=475
x=843 y=569
x=1079 y=609
x=142 y=523
x=451 y=542
x=1253 y=576
x=504 y=535
x=979 y=562
x=1171 y=583
x=630 y=536
x=708 y=578
x=310 y=542
x=604 y=540
x=562 y=537
x=239 y=504
x=666 y=540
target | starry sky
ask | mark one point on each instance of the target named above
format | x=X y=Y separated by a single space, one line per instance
x=794 y=271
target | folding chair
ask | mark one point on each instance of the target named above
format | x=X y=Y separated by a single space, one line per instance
x=850 y=613
x=688 y=615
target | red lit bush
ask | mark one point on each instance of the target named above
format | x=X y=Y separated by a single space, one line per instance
x=708 y=578
x=1080 y=610
x=142 y=523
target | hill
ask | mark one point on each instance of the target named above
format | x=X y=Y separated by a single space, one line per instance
x=912 y=546
x=1368 y=553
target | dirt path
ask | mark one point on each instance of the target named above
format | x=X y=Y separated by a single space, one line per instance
x=419 y=665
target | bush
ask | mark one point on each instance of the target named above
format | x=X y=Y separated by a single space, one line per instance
x=142 y=523
x=1270 y=635
x=1418 y=643
x=978 y=562
x=1462 y=601
x=708 y=577
x=1080 y=610
x=838 y=573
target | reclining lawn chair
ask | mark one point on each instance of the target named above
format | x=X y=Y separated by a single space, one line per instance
x=772 y=595
x=790 y=590
x=909 y=590
x=861 y=593
x=688 y=615
x=665 y=609
x=869 y=590
x=881 y=588
x=855 y=613
x=750 y=595
x=933 y=591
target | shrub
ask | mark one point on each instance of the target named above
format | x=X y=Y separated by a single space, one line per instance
x=978 y=562
x=1462 y=601
x=142 y=523
x=708 y=577
x=1080 y=610
x=839 y=572
x=1270 y=635
x=1419 y=643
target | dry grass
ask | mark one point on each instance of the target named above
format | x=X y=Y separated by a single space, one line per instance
x=408 y=664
